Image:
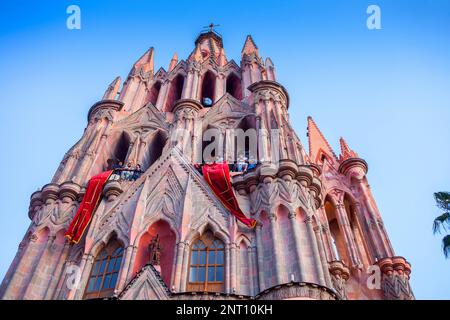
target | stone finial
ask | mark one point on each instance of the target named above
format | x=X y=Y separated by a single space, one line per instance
x=222 y=59
x=146 y=62
x=346 y=152
x=318 y=144
x=112 y=90
x=249 y=47
x=173 y=62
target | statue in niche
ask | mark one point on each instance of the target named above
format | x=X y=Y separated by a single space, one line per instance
x=155 y=251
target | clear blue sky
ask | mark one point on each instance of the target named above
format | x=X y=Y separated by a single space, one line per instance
x=386 y=91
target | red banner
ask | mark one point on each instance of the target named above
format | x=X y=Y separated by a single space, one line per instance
x=218 y=177
x=87 y=207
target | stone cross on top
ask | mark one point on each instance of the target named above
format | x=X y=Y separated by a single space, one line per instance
x=211 y=26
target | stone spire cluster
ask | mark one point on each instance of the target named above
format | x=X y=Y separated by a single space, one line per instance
x=318 y=231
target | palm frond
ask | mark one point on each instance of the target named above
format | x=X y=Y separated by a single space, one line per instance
x=446 y=245
x=440 y=222
x=442 y=200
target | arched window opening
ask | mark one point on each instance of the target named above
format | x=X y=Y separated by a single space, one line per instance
x=120 y=152
x=103 y=278
x=175 y=91
x=208 y=89
x=207 y=264
x=154 y=93
x=234 y=86
x=337 y=242
x=155 y=148
x=244 y=146
x=356 y=230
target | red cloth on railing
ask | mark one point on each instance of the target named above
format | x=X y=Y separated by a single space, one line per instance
x=217 y=176
x=87 y=207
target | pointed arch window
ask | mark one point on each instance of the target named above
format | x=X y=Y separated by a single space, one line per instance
x=105 y=271
x=207 y=265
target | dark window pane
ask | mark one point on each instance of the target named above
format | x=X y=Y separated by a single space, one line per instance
x=201 y=274
x=98 y=283
x=219 y=257
x=117 y=252
x=202 y=257
x=106 y=282
x=192 y=274
x=110 y=265
x=91 y=284
x=219 y=274
x=112 y=284
x=102 y=267
x=211 y=256
x=118 y=263
x=211 y=274
x=194 y=257
x=96 y=267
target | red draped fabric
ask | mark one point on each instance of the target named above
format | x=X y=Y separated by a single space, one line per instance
x=217 y=176
x=87 y=207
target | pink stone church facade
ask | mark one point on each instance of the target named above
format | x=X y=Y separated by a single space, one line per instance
x=319 y=234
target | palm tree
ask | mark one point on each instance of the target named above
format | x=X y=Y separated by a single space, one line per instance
x=442 y=222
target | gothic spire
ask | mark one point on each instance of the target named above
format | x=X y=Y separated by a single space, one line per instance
x=318 y=145
x=146 y=62
x=173 y=62
x=346 y=152
x=222 y=59
x=113 y=88
x=249 y=46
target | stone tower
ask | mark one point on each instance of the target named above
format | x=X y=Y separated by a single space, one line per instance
x=165 y=234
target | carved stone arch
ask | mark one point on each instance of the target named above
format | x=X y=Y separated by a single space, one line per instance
x=280 y=204
x=164 y=235
x=180 y=69
x=175 y=90
x=233 y=85
x=102 y=241
x=149 y=222
x=212 y=226
x=208 y=85
x=243 y=238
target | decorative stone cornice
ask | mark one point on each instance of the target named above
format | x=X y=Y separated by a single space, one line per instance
x=395 y=278
x=69 y=190
x=112 y=190
x=297 y=290
x=104 y=105
x=340 y=273
x=271 y=86
x=50 y=192
x=187 y=103
x=354 y=167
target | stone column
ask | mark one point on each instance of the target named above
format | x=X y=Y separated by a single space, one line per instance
x=323 y=258
x=386 y=249
x=276 y=251
x=33 y=288
x=185 y=269
x=347 y=232
x=298 y=245
x=85 y=266
x=227 y=268
x=58 y=272
x=178 y=265
x=127 y=263
x=315 y=249
x=251 y=270
x=260 y=255
x=233 y=275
